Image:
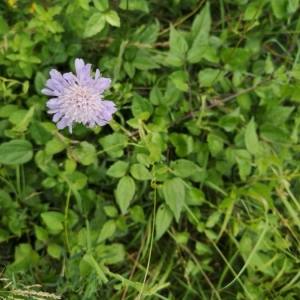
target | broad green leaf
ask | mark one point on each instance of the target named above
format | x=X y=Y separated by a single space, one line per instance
x=213 y=219
x=174 y=193
x=40 y=233
x=111 y=254
x=101 y=5
x=38 y=132
x=209 y=76
x=55 y=146
x=25 y=257
x=178 y=44
x=7 y=110
x=4 y=234
x=137 y=214
x=202 y=22
x=182 y=142
x=114 y=144
x=135 y=5
x=4 y=28
x=156 y=96
x=85 y=153
x=243 y=159
x=183 y=168
x=180 y=79
x=111 y=211
x=229 y=122
x=88 y=257
x=118 y=169
x=140 y=172
x=140 y=105
x=15 y=152
x=279 y=8
x=94 y=25
x=39 y=82
x=215 y=144
x=54 y=221
x=125 y=192
x=107 y=230
x=251 y=139
x=163 y=220
x=54 y=250
x=112 y=18
x=144 y=63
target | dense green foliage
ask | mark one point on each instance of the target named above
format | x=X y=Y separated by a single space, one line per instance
x=192 y=191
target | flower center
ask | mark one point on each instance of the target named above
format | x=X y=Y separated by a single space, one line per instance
x=80 y=103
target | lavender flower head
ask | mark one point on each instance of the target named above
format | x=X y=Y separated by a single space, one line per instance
x=78 y=99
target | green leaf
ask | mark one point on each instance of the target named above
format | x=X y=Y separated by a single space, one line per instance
x=7 y=110
x=110 y=211
x=174 y=193
x=107 y=230
x=144 y=63
x=184 y=168
x=55 y=146
x=94 y=25
x=156 y=96
x=101 y=5
x=180 y=79
x=251 y=139
x=202 y=22
x=213 y=219
x=182 y=142
x=140 y=105
x=53 y=250
x=118 y=169
x=40 y=233
x=125 y=192
x=112 y=18
x=208 y=76
x=140 y=172
x=178 y=44
x=4 y=28
x=54 y=221
x=85 y=153
x=38 y=132
x=4 y=234
x=163 y=220
x=88 y=257
x=215 y=144
x=39 y=82
x=15 y=152
x=279 y=8
x=111 y=254
x=114 y=144
x=137 y=214
x=135 y=5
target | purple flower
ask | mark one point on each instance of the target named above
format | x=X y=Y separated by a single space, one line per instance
x=78 y=99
